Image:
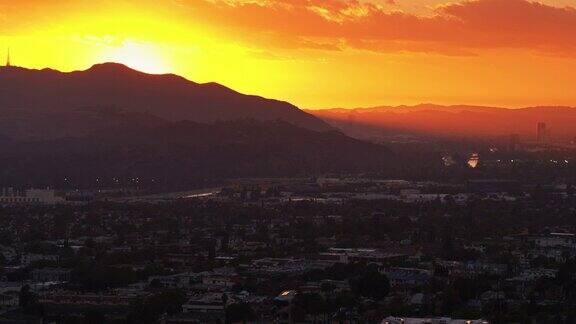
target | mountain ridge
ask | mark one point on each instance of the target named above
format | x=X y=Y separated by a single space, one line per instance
x=167 y=96
x=430 y=106
x=90 y=128
x=461 y=121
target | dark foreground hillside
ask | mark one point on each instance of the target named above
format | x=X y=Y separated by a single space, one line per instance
x=184 y=153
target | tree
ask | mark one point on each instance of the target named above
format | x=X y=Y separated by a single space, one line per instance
x=155 y=284
x=25 y=297
x=94 y=317
x=371 y=284
x=149 y=310
x=313 y=304
x=28 y=301
x=239 y=313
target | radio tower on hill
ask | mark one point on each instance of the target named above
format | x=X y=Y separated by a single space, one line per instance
x=8 y=59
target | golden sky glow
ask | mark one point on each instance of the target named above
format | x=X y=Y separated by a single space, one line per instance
x=317 y=53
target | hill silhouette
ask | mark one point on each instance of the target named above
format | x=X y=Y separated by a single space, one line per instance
x=86 y=128
x=36 y=103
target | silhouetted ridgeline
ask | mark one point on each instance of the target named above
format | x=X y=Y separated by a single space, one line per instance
x=40 y=103
x=113 y=122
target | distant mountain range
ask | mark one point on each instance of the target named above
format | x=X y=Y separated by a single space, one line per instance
x=452 y=121
x=41 y=103
x=111 y=122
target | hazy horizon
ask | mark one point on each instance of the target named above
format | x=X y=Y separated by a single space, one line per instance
x=382 y=105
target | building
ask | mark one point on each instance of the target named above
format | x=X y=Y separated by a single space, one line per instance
x=51 y=275
x=219 y=281
x=474 y=160
x=514 y=142
x=552 y=240
x=9 y=300
x=205 y=303
x=27 y=259
x=437 y=320
x=406 y=278
x=179 y=280
x=351 y=255
x=11 y=196
x=543 y=133
x=63 y=306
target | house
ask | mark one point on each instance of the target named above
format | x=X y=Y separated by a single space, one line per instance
x=62 y=305
x=179 y=280
x=350 y=255
x=206 y=303
x=551 y=240
x=437 y=320
x=9 y=299
x=51 y=275
x=216 y=280
x=29 y=258
x=406 y=278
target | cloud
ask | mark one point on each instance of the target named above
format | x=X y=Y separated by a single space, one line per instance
x=514 y=23
x=458 y=28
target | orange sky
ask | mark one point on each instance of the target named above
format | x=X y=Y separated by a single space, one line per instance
x=317 y=53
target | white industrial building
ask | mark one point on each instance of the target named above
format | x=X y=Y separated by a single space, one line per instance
x=11 y=196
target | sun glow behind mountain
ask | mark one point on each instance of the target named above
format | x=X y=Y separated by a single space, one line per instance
x=142 y=57
x=316 y=53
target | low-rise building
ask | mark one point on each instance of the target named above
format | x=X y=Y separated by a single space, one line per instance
x=29 y=258
x=51 y=275
x=11 y=196
x=430 y=320
x=206 y=303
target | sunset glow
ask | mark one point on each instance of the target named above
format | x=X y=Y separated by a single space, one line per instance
x=317 y=53
x=142 y=57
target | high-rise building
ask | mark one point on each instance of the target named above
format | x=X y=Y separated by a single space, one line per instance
x=542 y=135
x=514 y=142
